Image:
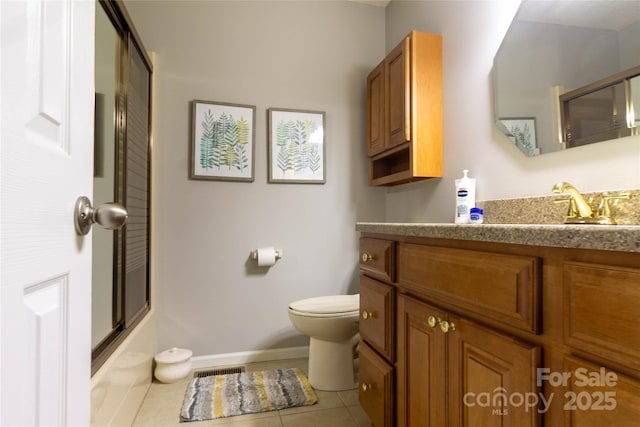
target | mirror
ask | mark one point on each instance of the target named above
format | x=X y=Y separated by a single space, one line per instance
x=555 y=48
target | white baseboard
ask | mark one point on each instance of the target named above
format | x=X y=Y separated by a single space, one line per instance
x=211 y=360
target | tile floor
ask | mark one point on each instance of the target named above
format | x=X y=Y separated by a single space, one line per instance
x=162 y=404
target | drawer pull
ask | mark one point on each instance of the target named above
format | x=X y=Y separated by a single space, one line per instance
x=367 y=315
x=367 y=257
x=365 y=387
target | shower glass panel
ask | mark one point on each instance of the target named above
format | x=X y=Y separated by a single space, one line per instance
x=107 y=54
x=597 y=116
x=121 y=296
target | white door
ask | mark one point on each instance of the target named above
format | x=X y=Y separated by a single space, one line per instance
x=46 y=97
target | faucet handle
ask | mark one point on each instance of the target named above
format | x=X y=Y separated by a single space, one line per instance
x=572 y=211
x=604 y=209
x=611 y=196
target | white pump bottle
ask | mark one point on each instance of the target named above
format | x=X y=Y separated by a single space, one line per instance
x=465 y=197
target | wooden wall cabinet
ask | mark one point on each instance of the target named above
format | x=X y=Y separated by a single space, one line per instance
x=448 y=324
x=404 y=112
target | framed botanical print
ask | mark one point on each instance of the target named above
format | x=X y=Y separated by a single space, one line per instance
x=296 y=146
x=222 y=141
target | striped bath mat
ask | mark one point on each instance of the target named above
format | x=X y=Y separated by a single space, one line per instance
x=227 y=395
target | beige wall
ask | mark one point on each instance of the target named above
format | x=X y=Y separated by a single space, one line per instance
x=472 y=32
x=299 y=55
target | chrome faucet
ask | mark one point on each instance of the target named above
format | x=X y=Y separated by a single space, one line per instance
x=581 y=211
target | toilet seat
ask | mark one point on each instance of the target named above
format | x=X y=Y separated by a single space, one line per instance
x=327 y=306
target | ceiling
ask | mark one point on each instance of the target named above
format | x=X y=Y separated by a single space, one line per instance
x=613 y=15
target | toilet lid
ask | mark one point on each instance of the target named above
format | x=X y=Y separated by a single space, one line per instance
x=327 y=304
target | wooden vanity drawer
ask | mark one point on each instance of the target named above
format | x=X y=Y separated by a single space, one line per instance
x=377 y=258
x=377 y=315
x=376 y=387
x=602 y=309
x=504 y=288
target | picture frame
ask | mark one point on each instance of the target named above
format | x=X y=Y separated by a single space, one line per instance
x=296 y=146
x=522 y=132
x=222 y=143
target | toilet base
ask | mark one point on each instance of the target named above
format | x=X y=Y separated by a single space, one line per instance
x=331 y=365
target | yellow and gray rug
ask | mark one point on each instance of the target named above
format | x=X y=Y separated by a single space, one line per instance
x=228 y=395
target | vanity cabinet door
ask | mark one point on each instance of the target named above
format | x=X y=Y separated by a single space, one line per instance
x=596 y=398
x=485 y=364
x=601 y=307
x=420 y=367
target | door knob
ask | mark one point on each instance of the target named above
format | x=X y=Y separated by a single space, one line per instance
x=111 y=216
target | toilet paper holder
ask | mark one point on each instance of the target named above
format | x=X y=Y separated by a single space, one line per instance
x=254 y=254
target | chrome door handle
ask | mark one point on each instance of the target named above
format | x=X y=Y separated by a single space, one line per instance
x=111 y=216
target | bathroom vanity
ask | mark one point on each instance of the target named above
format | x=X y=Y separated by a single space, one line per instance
x=523 y=325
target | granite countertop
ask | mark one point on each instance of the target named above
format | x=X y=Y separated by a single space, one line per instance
x=625 y=238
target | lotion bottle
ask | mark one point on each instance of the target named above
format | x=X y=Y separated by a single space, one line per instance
x=465 y=198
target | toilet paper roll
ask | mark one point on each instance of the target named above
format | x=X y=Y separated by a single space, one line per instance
x=266 y=256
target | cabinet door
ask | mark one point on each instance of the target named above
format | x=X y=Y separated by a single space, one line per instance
x=375 y=111
x=596 y=397
x=397 y=70
x=488 y=374
x=601 y=311
x=420 y=365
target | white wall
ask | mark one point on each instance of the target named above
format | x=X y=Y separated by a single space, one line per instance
x=472 y=32
x=300 y=55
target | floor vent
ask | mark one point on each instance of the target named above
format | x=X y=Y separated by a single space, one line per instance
x=223 y=371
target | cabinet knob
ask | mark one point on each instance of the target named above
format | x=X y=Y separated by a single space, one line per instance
x=365 y=387
x=432 y=321
x=367 y=315
x=447 y=326
x=367 y=257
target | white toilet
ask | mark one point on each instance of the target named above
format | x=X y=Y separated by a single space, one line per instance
x=331 y=322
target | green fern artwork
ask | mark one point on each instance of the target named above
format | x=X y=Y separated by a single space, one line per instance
x=223 y=146
x=522 y=134
x=297 y=146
